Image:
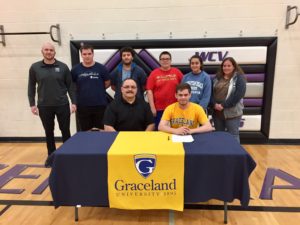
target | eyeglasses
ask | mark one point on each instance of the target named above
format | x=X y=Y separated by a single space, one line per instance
x=128 y=86
x=164 y=59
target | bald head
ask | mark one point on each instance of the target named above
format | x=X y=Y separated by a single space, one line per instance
x=48 y=45
x=48 y=51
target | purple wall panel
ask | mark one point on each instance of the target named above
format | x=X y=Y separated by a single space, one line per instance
x=254 y=102
x=148 y=59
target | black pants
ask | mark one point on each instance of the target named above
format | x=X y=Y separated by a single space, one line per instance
x=47 y=115
x=90 y=117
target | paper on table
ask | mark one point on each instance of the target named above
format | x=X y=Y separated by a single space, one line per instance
x=182 y=138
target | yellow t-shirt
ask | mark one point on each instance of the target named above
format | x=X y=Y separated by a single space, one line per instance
x=190 y=117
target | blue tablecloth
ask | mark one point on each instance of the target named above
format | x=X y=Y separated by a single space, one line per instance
x=216 y=167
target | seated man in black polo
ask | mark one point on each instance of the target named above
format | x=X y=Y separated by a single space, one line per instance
x=128 y=113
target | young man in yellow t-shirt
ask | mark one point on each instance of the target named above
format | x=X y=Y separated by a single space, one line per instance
x=184 y=117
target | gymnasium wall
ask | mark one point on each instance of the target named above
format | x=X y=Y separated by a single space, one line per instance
x=129 y=20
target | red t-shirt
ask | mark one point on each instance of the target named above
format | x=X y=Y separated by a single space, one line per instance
x=163 y=85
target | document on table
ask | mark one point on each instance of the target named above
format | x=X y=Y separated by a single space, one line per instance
x=182 y=138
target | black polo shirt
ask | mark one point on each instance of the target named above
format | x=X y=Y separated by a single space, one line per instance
x=124 y=116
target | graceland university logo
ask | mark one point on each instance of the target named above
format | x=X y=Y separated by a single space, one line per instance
x=145 y=164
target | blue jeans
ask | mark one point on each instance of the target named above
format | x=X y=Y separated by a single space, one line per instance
x=229 y=125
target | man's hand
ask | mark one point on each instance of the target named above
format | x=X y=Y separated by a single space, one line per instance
x=153 y=110
x=73 y=108
x=34 y=110
x=182 y=131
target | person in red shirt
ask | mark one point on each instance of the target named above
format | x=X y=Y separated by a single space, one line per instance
x=161 y=86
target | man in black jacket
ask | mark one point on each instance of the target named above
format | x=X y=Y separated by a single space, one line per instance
x=128 y=113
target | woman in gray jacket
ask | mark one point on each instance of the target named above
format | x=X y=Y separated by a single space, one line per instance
x=229 y=87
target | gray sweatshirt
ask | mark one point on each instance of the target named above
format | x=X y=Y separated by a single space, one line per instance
x=53 y=81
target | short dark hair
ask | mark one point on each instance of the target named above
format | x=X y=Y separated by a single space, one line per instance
x=128 y=79
x=199 y=58
x=86 y=46
x=165 y=53
x=127 y=49
x=183 y=86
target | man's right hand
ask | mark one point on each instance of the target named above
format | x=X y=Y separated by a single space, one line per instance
x=153 y=110
x=35 y=110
